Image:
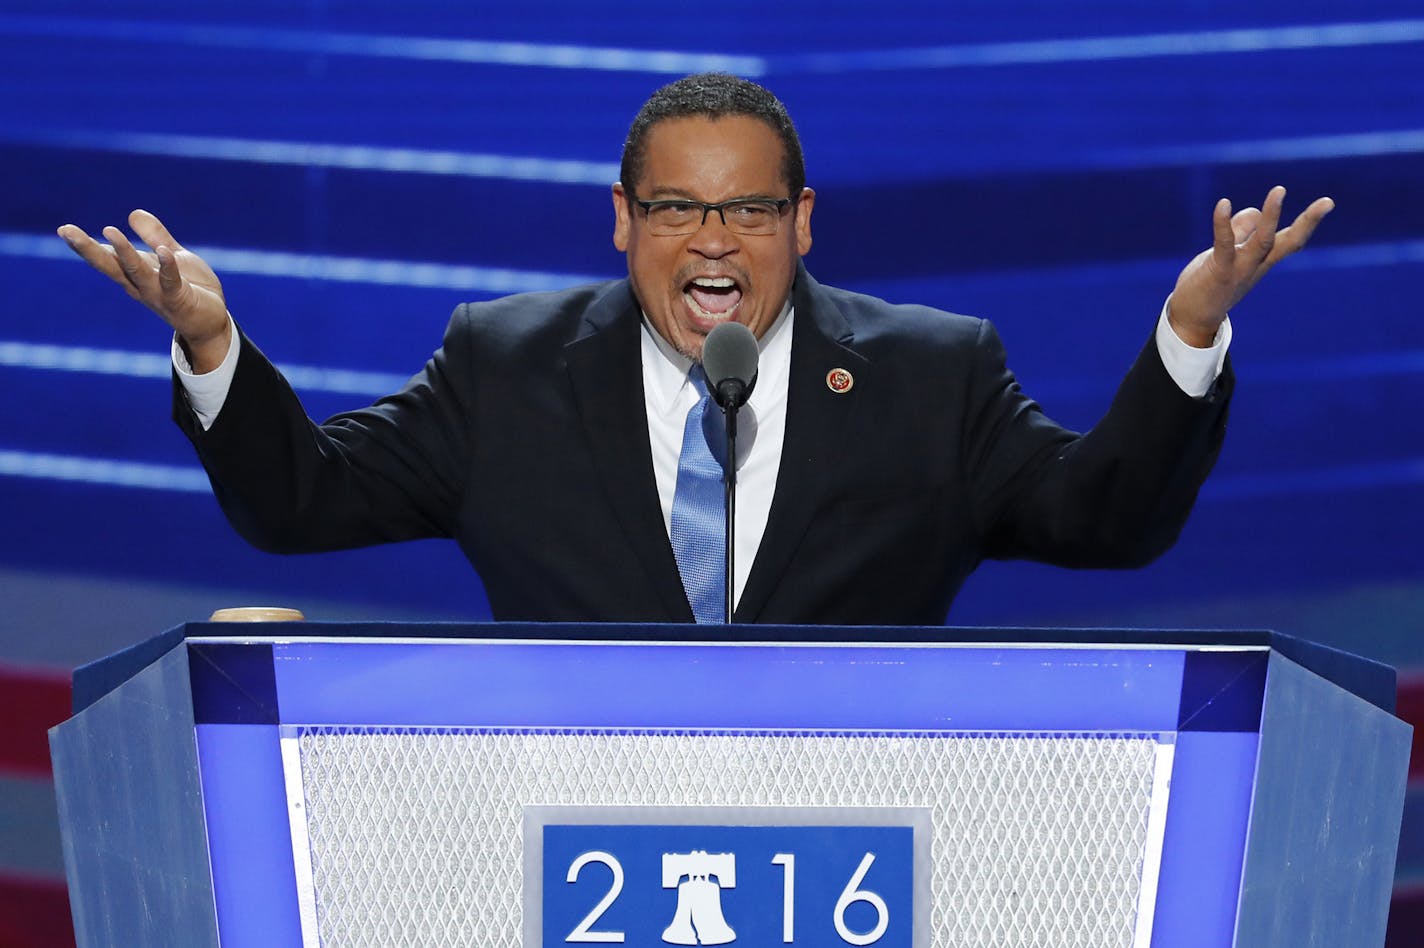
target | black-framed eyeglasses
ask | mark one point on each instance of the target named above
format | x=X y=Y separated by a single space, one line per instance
x=752 y=217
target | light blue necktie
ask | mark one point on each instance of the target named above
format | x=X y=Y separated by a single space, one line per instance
x=699 y=513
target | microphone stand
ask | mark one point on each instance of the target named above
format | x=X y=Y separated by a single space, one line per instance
x=730 y=482
x=729 y=360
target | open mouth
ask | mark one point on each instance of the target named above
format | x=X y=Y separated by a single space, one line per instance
x=715 y=299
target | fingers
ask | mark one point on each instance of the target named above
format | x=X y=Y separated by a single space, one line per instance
x=1271 y=208
x=1259 y=244
x=97 y=255
x=1245 y=223
x=1294 y=237
x=170 y=280
x=1270 y=219
x=1256 y=229
x=137 y=268
x=1223 y=246
x=151 y=229
x=163 y=280
x=1264 y=243
x=165 y=249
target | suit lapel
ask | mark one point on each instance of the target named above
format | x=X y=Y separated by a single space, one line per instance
x=815 y=421
x=605 y=369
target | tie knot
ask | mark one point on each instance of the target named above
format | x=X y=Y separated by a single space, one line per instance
x=698 y=377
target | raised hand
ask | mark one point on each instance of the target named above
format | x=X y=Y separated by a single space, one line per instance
x=173 y=282
x=1244 y=247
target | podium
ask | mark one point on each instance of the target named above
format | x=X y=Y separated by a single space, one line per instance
x=521 y=784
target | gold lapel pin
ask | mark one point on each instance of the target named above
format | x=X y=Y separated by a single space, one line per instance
x=839 y=381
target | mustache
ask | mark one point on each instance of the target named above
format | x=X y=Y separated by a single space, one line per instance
x=692 y=271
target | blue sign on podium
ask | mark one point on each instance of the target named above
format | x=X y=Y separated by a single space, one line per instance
x=756 y=876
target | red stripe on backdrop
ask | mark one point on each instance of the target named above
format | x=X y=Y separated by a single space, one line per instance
x=32 y=700
x=34 y=914
x=1410 y=708
x=1406 y=917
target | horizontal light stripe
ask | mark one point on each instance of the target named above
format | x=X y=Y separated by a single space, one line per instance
x=148 y=365
x=1302 y=148
x=317 y=155
x=1350 y=477
x=1390 y=253
x=57 y=467
x=391 y=272
x=489 y=280
x=603 y=174
x=312 y=378
x=309 y=378
x=137 y=365
x=1363 y=367
x=669 y=62
x=386 y=46
x=498 y=280
x=1339 y=367
x=1105 y=48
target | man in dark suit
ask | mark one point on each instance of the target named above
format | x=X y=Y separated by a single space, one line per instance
x=890 y=449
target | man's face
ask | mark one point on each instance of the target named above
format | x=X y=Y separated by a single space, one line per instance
x=682 y=281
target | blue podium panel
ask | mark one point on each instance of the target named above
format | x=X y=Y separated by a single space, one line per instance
x=246 y=827
x=673 y=685
x=538 y=792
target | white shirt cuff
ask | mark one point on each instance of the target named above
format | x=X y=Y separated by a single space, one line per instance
x=1194 y=370
x=207 y=392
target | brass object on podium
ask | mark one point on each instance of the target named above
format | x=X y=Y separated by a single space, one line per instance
x=257 y=614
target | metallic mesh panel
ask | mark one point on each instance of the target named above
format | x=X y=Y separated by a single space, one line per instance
x=415 y=833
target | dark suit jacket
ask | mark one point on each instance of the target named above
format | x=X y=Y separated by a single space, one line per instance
x=525 y=439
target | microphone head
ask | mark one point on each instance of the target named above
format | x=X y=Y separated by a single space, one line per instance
x=729 y=359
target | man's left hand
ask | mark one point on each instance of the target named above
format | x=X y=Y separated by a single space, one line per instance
x=1244 y=247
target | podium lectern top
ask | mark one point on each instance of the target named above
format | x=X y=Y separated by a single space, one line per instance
x=1373 y=681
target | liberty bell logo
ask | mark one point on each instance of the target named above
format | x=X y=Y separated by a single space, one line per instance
x=699 y=918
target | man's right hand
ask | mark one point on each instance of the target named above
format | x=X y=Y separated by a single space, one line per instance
x=173 y=282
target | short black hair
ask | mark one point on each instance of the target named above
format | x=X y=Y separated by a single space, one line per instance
x=712 y=95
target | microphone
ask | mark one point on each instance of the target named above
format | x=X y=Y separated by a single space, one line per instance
x=729 y=357
x=729 y=360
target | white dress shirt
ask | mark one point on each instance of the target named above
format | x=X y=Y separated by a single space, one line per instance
x=761 y=428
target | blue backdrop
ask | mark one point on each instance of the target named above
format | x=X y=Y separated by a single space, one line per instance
x=355 y=169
